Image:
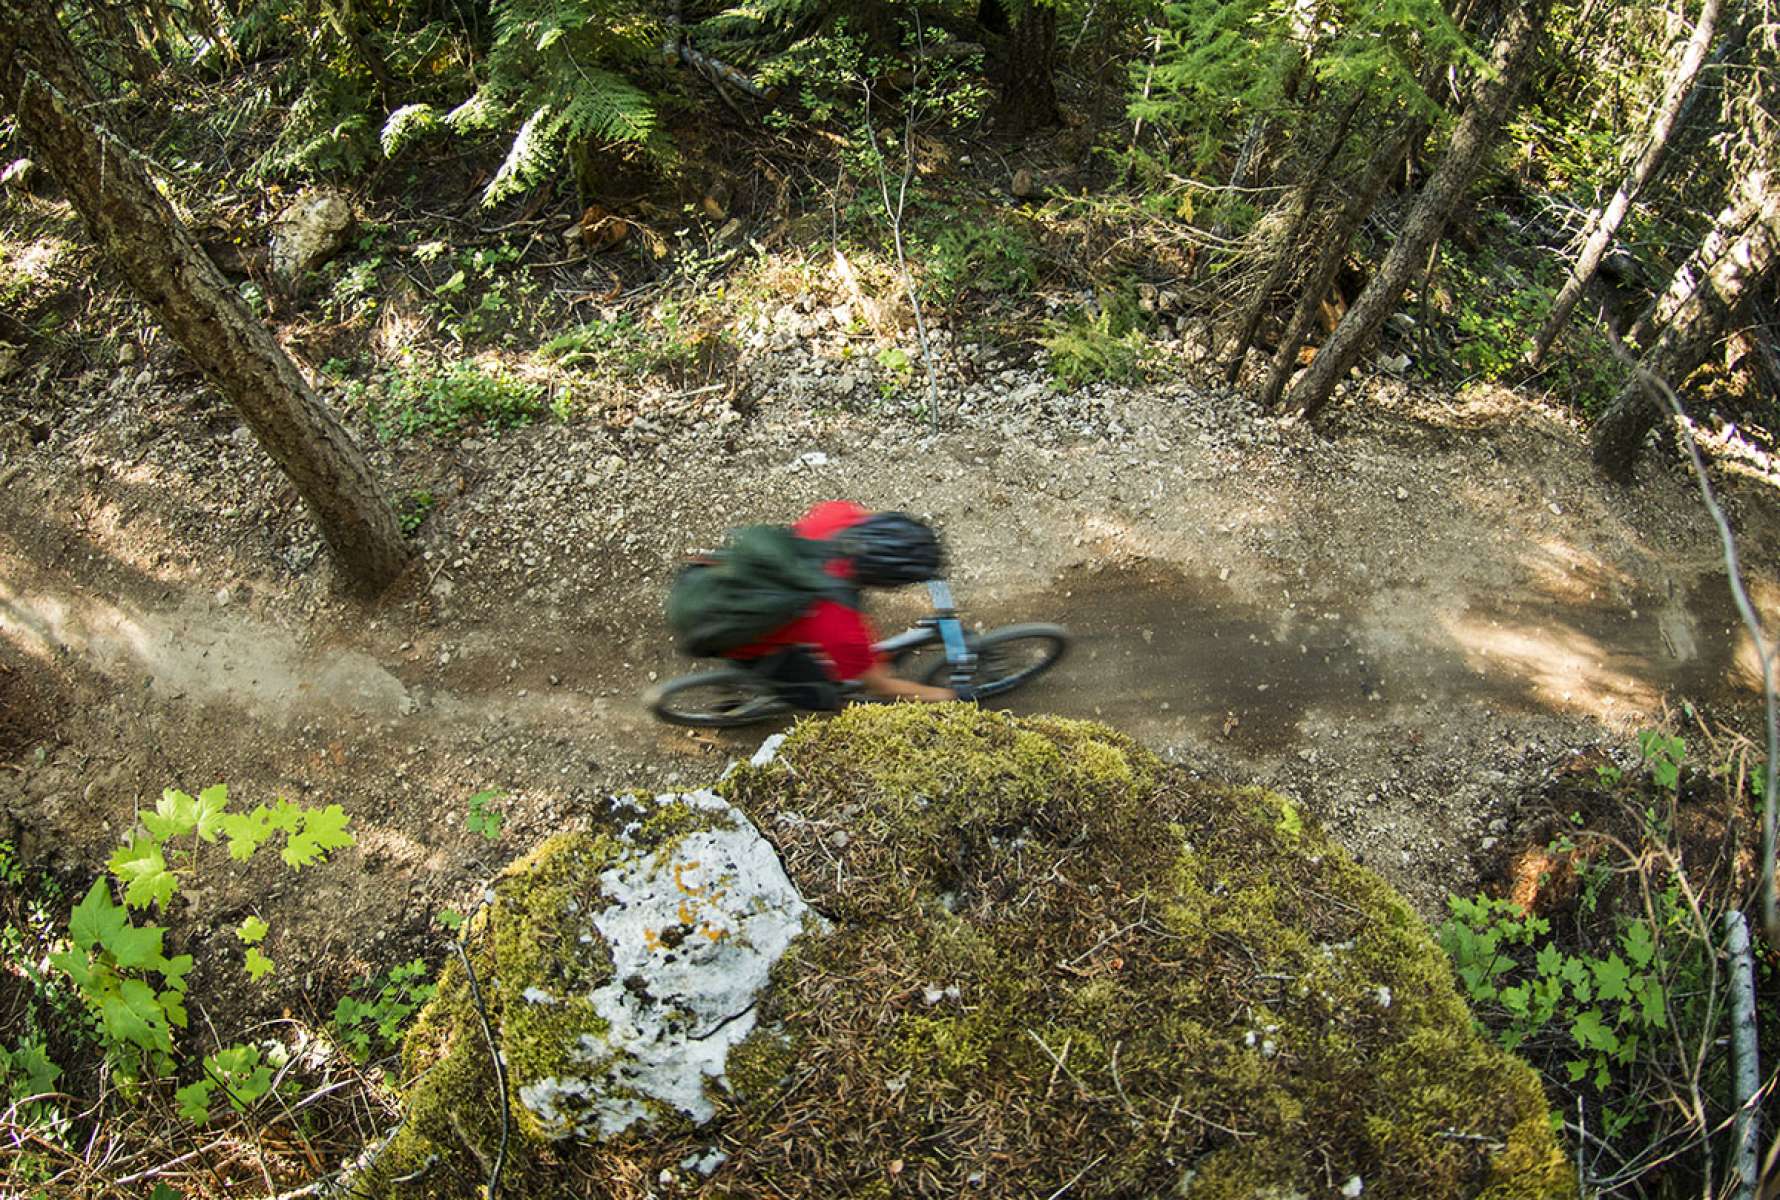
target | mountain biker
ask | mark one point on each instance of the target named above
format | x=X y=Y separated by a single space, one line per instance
x=831 y=642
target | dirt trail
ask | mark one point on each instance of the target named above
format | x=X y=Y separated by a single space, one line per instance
x=1169 y=657
x=1406 y=629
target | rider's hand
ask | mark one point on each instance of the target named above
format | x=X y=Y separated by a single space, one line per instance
x=964 y=692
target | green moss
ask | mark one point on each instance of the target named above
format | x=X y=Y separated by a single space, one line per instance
x=1052 y=961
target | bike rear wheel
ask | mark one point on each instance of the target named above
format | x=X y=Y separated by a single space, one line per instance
x=1007 y=658
x=716 y=700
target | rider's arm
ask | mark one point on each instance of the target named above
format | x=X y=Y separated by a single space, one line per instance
x=881 y=681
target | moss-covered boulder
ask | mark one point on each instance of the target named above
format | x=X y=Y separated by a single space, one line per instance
x=1045 y=964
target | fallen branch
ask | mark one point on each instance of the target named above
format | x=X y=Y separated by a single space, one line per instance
x=500 y=1070
x=1745 y=1056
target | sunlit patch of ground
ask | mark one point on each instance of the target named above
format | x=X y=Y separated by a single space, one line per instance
x=1566 y=669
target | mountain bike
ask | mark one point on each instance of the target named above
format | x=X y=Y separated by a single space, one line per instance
x=936 y=650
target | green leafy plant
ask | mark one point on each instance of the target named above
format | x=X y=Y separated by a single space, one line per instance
x=27 y=1072
x=416 y=506
x=986 y=257
x=242 y=1073
x=374 y=1019
x=450 y=402
x=1662 y=754
x=561 y=69
x=1089 y=347
x=111 y=961
x=628 y=345
x=482 y=817
x=114 y=963
x=1509 y=966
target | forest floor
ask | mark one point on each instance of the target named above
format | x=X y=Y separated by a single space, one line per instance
x=1407 y=621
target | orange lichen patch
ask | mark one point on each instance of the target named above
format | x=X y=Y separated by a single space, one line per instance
x=680 y=880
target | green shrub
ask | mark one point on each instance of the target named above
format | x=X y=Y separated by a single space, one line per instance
x=627 y=345
x=373 y=1019
x=964 y=256
x=450 y=401
x=1089 y=347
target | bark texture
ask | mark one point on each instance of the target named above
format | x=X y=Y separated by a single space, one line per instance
x=1604 y=226
x=1385 y=160
x=1731 y=265
x=1291 y=245
x=58 y=113
x=1029 y=85
x=1516 y=48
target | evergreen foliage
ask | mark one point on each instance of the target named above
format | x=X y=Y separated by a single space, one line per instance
x=560 y=66
x=1221 y=64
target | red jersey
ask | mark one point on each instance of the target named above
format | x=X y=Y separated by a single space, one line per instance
x=841 y=637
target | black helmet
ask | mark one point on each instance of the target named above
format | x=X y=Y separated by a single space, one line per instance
x=890 y=549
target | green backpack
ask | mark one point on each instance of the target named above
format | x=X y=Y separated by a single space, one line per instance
x=764 y=578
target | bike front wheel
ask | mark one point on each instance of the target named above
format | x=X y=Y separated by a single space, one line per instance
x=716 y=700
x=1007 y=658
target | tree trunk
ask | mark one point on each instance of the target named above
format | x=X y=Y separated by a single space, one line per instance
x=119 y=30
x=1604 y=226
x=1335 y=241
x=1290 y=245
x=1731 y=265
x=1516 y=48
x=42 y=82
x=1029 y=87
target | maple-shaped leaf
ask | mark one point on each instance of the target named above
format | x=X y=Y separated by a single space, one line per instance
x=173 y=1004
x=258 y=965
x=175 y=815
x=285 y=816
x=173 y=971
x=133 y=1014
x=323 y=830
x=245 y=832
x=252 y=930
x=137 y=947
x=76 y=965
x=241 y=1070
x=194 y=1101
x=213 y=802
x=142 y=869
x=95 y=917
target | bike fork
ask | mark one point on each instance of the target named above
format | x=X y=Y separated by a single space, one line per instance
x=951 y=630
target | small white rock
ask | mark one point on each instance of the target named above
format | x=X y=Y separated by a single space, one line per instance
x=1353 y=1187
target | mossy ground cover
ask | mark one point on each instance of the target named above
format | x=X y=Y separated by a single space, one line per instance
x=1053 y=963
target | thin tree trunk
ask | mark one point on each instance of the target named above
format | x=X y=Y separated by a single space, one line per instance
x=1291 y=244
x=41 y=81
x=1604 y=226
x=1731 y=264
x=114 y=19
x=1029 y=86
x=1335 y=240
x=1476 y=131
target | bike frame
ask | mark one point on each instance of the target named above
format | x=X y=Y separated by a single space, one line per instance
x=944 y=625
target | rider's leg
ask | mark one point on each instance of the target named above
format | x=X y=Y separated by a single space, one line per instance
x=801 y=678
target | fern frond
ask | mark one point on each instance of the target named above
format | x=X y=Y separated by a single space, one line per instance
x=405 y=124
x=528 y=158
x=481 y=111
x=607 y=108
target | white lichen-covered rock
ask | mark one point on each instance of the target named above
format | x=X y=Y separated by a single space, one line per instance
x=311 y=230
x=692 y=934
x=621 y=965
